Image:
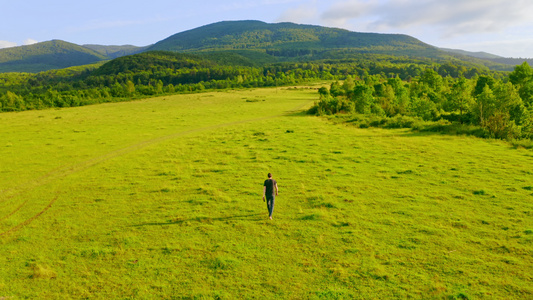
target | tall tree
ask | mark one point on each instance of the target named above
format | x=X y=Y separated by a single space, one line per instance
x=363 y=98
x=485 y=105
x=460 y=97
x=521 y=74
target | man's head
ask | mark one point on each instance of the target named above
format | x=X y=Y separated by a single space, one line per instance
x=269 y=175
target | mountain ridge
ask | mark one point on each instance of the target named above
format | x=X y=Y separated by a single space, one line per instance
x=256 y=39
x=479 y=54
x=239 y=35
x=54 y=54
x=115 y=51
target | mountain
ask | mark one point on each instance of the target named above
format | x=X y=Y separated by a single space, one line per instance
x=512 y=61
x=147 y=61
x=294 y=42
x=491 y=57
x=290 y=40
x=55 y=54
x=482 y=55
x=247 y=43
x=116 y=51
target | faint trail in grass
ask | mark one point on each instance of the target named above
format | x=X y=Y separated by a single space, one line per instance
x=28 y=221
x=179 y=221
x=14 y=211
x=72 y=169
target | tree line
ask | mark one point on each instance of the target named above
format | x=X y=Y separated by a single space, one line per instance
x=501 y=106
x=157 y=73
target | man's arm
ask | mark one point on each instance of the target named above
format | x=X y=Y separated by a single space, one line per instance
x=264 y=192
x=276 y=186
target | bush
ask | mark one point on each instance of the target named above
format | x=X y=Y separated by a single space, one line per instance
x=525 y=143
x=331 y=106
x=402 y=122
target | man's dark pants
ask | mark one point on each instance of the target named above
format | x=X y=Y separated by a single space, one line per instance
x=270 y=204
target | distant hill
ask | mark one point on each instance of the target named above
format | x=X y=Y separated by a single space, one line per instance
x=57 y=54
x=482 y=55
x=491 y=57
x=44 y=56
x=116 y=51
x=249 y=43
x=512 y=61
x=294 y=42
x=289 y=40
x=153 y=59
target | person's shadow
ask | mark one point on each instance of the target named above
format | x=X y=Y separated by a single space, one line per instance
x=206 y=220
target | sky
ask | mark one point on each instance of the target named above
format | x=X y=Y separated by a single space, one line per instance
x=501 y=27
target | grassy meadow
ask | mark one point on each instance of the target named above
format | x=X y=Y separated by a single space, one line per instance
x=161 y=199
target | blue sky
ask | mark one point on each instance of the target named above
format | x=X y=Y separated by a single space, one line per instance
x=501 y=27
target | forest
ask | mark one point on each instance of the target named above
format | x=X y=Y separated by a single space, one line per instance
x=496 y=107
x=369 y=84
x=157 y=73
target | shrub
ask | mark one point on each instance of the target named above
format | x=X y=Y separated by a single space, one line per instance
x=524 y=143
x=402 y=122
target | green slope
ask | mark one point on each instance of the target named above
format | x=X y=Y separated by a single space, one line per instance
x=44 y=56
x=161 y=199
x=163 y=60
x=294 y=42
x=491 y=57
x=249 y=43
x=115 y=51
x=288 y=39
x=483 y=55
x=152 y=60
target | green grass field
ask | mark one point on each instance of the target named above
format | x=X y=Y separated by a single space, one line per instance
x=161 y=199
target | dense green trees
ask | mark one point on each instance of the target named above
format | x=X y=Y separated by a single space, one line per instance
x=501 y=107
x=460 y=98
x=376 y=85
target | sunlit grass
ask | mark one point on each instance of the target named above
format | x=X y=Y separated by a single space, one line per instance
x=162 y=198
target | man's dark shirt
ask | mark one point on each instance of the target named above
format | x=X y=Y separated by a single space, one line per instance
x=270 y=183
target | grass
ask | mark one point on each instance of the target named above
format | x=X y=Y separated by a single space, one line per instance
x=161 y=198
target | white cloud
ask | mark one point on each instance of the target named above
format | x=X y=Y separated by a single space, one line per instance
x=30 y=42
x=7 y=44
x=342 y=11
x=448 y=18
x=304 y=13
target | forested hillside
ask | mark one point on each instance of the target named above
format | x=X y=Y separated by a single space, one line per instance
x=256 y=42
x=388 y=88
x=44 y=56
x=115 y=51
x=155 y=73
x=288 y=39
x=299 y=43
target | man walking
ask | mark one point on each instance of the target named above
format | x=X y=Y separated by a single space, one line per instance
x=270 y=191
